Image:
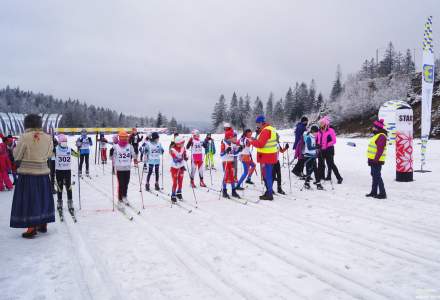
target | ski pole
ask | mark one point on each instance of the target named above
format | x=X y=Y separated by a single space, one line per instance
x=162 y=171
x=140 y=184
x=194 y=193
x=96 y=145
x=288 y=170
x=225 y=164
x=113 y=188
x=142 y=179
x=210 y=166
x=79 y=185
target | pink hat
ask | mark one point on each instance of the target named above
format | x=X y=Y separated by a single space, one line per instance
x=324 y=122
x=379 y=124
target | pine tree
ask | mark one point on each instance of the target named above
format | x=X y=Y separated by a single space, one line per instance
x=269 y=108
x=337 y=85
x=372 y=69
x=289 y=104
x=364 y=72
x=408 y=64
x=387 y=63
x=233 y=114
x=159 y=120
x=172 y=125
x=310 y=107
x=242 y=116
x=398 y=63
x=258 y=108
x=219 y=114
x=247 y=111
x=278 y=113
x=319 y=102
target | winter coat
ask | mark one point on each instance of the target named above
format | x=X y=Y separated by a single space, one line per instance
x=326 y=139
x=5 y=163
x=260 y=142
x=381 y=143
x=209 y=146
x=33 y=150
x=299 y=132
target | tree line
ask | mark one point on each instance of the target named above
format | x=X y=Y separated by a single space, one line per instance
x=79 y=114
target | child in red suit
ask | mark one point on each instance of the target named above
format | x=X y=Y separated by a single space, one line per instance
x=178 y=154
x=228 y=151
x=5 y=166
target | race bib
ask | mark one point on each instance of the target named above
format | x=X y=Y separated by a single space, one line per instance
x=63 y=158
x=122 y=157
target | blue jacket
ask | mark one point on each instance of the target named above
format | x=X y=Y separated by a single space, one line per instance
x=299 y=132
x=209 y=146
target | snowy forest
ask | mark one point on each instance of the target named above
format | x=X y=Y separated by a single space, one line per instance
x=360 y=94
x=78 y=114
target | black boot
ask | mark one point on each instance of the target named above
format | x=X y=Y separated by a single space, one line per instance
x=225 y=194
x=30 y=233
x=234 y=194
x=307 y=185
x=173 y=198
x=42 y=228
x=147 y=187
x=179 y=195
x=319 y=186
x=249 y=181
x=156 y=186
x=266 y=196
x=371 y=194
x=239 y=188
x=340 y=180
x=381 y=196
x=280 y=191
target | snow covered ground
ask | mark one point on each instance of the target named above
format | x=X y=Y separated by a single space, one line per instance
x=332 y=244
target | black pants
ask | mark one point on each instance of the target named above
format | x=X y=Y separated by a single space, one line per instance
x=64 y=179
x=150 y=171
x=276 y=174
x=52 y=173
x=299 y=167
x=311 y=168
x=328 y=156
x=123 y=181
x=82 y=158
x=376 y=175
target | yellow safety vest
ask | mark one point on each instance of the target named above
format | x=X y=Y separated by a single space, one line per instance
x=372 y=148
x=271 y=145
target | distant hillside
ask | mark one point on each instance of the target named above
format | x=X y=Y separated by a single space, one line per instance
x=76 y=113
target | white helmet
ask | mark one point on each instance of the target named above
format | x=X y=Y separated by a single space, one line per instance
x=195 y=132
x=179 y=140
x=227 y=125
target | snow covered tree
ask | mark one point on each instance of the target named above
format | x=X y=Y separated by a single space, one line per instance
x=269 y=108
x=319 y=102
x=398 y=63
x=247 y=111
x=387 y=63
x=289 y=105
x=408 y=64
x=234 y=114
x=310 y=104
x=437 y=68
x=159 y=120
x=337 y=85
x=372 y=69
x=257 y=110
x=278 y=114
x=172 y=125
x=219 y=114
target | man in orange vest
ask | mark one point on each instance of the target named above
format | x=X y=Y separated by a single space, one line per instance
x=267 y=153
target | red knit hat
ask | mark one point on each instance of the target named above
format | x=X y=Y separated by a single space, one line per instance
x=229 y=134
x=379 y=124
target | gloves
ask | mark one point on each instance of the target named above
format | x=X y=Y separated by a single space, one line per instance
x=228 y=150
x=240 y=148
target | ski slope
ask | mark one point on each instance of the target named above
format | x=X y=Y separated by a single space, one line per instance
x=331 y=244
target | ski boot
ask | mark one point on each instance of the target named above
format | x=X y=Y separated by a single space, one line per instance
x=125 y=201
x=381 y=196
x=70 y=206
x=319 y=186
x=42 y=228
x=202 y=183
x=239 y=188
x=156 y=186
x=307 y=185
x=225 y=194
x=371 y=194
x=60 y=209
x=80 y=174
x=173 y=198
x=179 y=195
x=193 y=185
x=280 y=191
x=147 y=187
x=120 y=206
x=235 y=194
x=340 y=180
x=249 y=181
x=30 y=233
x=267 y=197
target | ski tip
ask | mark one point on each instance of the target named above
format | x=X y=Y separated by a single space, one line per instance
x=130 y=218
x=190 y=211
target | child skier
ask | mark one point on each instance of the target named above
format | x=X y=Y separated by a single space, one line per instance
x=63 y=173
x=196 y=146
x=84 y=143
x=229 y=150
x=134 y=140
x=209 y=146
x=310 y=155
x=122 y=154
x=276 y=171
x=178 y=154
x=103 y=146
x=152 y=152
x=10 y=145
x=246 y=160
x=5 y=167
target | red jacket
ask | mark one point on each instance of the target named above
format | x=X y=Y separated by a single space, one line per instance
x=264 y=158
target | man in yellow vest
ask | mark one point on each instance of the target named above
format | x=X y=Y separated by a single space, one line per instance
x=267 y=153
x=376 y=154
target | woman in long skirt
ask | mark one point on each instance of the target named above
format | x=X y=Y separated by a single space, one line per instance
x=33 y=204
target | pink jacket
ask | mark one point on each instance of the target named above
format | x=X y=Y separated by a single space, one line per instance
x=326 y=139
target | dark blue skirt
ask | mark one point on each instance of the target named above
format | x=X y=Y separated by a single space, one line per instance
x=33 y=201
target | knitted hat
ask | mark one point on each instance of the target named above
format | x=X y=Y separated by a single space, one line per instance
x=62 y=138
x=179 y=140
x=324 y=122
x=123 y=135
x=229 y=134
x=379 y=124
x=260 y=119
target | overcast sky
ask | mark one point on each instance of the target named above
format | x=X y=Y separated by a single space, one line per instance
x=178 y=56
